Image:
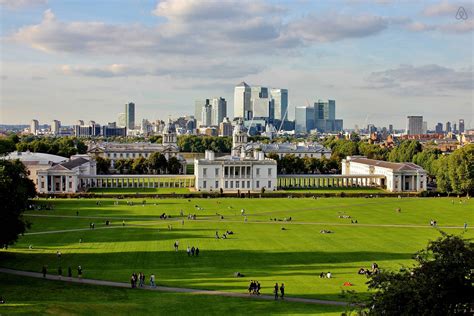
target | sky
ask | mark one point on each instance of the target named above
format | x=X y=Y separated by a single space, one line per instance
x=380 y=60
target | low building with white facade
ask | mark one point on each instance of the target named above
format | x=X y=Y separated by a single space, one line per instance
x=399 y=177
x=65 y=177
x=36 y=161
x=238 y=171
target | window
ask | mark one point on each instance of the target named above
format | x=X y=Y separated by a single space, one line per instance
x=258 y=184
x=115 y=155
x=248 y=184
x=258 y=171
x=231 y=184
x=217 y=184
x=204 y=184
x=237 y=184
x=226 y=184
x=226 y=171
x=42 y=185
x=269 y=184
x=217 y=172
x=269 y=171
x=204 y=171
x=126 y=155
x=70 y=185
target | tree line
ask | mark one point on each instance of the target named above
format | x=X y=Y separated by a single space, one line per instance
x=61 y=146
x=156 y=163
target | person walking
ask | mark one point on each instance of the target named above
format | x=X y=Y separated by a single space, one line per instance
x=132 y=281
x=44 y=271
x=188 y=251
x=282 y=290
x=275 y=291
x=152 y=280
x=192 y=250
x=465 y=225
x=79 y=272
x=197 y=251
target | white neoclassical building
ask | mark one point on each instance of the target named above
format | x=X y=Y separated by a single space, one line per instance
x=115 y=151
x=238 y=171
x=65 y=177
x=398 y=177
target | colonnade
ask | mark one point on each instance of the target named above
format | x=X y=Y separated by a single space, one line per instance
x=327 y=181
x=138 y=181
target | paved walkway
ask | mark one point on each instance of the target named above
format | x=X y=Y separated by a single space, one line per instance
x=167 y=289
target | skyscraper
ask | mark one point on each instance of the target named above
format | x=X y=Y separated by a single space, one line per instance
x=448 y=127
x=414 y=125
x=439 y=128
x=34 y=127
x=55 y=127
x=279 y=99
x=219 y=110
x=461 y=126
x=210 y=112
x=130 y=116
x=242 y=105
x=304 y=119
x=121 y=120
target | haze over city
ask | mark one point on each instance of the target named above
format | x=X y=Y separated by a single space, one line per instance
x=380 y=60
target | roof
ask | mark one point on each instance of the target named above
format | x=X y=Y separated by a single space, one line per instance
x=74 y=163
x=242 y=84
x=38 y=158
x=395 y=166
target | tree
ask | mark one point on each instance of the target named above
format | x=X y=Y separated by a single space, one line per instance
x=6 y=146
x=139 y=166
x=174 y=166
x=15 y=190
x=455 y=173
x=441 y=283
x=157 y=162
x=102 y=165
x=405 y=151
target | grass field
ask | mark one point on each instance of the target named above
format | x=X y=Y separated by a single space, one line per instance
x=260 y=249
x=40 y=297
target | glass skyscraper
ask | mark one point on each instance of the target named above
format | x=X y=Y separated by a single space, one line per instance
x=130 y=116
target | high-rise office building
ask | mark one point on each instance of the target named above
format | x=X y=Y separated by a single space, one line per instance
x=34 y=127
x=461 y=126
x=55 y=127
x=279 y=103
x=210 y=112
x=206 y=115
x=455 y=128
x=121 y=120
x=304 y=119
x=425 y=127
x=390 y=128
x=225 y=127
x=219 y=110
x=448 y=127
x=439 y=128
x=242 y=107
x=130 y=116
x=80 y=122
x=414 y=125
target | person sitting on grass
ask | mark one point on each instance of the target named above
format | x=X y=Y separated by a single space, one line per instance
x=322 y=275
x=361 y=271
x=2 y=300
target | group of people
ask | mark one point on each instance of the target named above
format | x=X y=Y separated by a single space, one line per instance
x=192 y=251
x=368 y=272
x=433 y=223
x=44 y=271
x=91 y=225
x=282 y=291
x=325 y=231
x=327 y=275
x=225 y=235
x=140 y=279
x=254 y=287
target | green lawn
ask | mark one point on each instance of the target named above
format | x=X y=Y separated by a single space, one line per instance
x=27 y=296
x=260 y=248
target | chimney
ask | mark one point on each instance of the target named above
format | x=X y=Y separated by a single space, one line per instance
x=261 y=155
x=209 y=155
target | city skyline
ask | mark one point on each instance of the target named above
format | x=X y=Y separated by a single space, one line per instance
x=381 y=61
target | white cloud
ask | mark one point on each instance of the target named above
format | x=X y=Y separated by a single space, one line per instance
x=20 y=4
x=443 y=8
x=422 y=80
